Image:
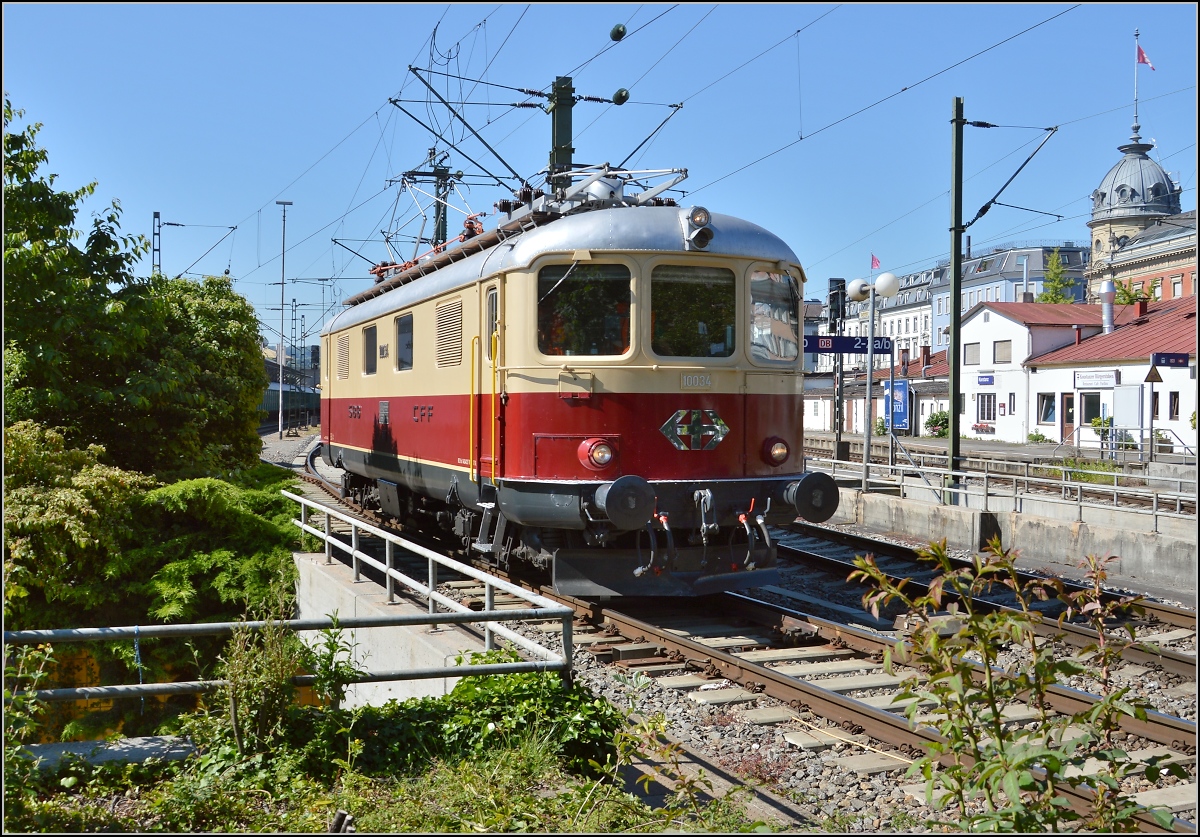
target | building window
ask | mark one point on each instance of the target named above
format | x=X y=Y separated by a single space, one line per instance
x=1176 y=287
x=1154 y=405
x=1012 y=403
x=1158 y=290
x=1173 y=406
x=404 y=342
x=971 y=354
x=989 y=294
x=370 y=350
x=1045 y=408
x=1089 y=403
x=986 y=406
x=1002 y=351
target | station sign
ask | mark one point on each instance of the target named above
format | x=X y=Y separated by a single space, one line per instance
x=987 y=380
x=831 y=344
x=1178 y=360
x=1090 y=379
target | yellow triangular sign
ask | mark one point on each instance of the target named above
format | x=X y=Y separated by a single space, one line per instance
x=1152 y=377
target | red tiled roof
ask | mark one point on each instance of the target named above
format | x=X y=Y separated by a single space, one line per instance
x=938 y=368
x=1169 y=326
x=1056 y=314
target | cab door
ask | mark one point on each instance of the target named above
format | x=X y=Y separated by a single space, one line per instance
x=487 y=412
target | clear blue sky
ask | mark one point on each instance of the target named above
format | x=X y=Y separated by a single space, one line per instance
x=208 y=114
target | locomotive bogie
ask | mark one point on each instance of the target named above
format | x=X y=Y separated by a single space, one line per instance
x=576 y=401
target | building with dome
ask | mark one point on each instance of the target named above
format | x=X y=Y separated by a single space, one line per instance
x=1139 y=237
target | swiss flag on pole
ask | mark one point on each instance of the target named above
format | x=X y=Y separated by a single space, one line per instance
x=1142 y=59
x=874 y=262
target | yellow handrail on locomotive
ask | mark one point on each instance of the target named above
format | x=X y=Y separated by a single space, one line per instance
x=495 y=343
x=471 y=415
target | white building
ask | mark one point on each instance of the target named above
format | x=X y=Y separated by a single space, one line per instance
x=1050 y=369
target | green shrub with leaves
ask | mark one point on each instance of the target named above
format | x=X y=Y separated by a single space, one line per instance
x=938 y=424
x=1038 y=438
x=997 y=778
x=87 y=545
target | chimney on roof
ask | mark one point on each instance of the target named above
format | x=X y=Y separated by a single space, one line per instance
x=924 y=356
x=1078 y=334
x=1141 y=307
x=1108 y=292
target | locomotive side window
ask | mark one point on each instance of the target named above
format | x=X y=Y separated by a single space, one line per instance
x=583 y=309
x=493 y=321
x=693 y=311
x=404 y=342
x=370 y=350
x=774 y=323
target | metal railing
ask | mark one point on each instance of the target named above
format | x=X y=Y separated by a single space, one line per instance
x=1123 y=443
x=540 y=609
x=1024 y=485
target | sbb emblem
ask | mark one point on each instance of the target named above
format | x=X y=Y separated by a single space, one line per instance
x=694 y=429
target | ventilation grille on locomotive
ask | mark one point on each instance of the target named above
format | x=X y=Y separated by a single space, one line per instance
x=449 y=334
x=343 y=360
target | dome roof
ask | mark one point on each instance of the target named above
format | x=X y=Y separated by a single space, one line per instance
x=1136 y=187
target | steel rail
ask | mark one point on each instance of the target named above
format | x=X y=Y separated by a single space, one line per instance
x=891 y=728
x=1167 y=614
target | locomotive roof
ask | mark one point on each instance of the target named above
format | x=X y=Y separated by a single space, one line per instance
x=620 y=229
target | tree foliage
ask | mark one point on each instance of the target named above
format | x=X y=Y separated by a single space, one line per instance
x=1126 y=295
x=164 y=374
x=1056 y=285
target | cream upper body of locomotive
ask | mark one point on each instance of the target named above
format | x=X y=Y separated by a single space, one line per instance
x=621 y=230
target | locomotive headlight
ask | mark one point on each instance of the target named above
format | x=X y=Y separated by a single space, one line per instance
x=596 y=454
x=699 y=216
x=775 y=451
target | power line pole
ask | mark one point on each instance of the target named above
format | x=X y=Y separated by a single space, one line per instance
x=956 y=233
x=282 y=310
x=156 y=245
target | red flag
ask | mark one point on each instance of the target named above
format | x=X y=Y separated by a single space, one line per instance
x=1142 y=59
x=874 y=262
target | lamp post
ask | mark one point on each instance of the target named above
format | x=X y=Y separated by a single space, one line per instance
x=886 y=285
x=282 y=309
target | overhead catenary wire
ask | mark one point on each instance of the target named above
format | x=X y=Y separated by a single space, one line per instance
x=884 y=99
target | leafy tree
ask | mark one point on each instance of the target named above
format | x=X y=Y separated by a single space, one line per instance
x=1126 y=295
x=195 y=388
x=62 y=307
x=1056 y=285
x=166 y=375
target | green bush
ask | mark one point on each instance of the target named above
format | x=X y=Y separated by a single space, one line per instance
x=938 y=424
x=1037 y=438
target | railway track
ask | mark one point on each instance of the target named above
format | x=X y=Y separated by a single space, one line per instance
x=819 y=680
x=1157 y=625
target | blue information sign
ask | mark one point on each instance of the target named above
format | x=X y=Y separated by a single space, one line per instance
x=822 y=344
x=1175 y=359
x=987 y=380
x=899 y=400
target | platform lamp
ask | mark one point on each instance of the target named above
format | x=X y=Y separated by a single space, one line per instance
x=860 y=290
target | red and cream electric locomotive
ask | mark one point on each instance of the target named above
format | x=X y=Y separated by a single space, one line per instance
x=606 y=385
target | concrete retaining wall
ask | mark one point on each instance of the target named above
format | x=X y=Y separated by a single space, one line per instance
x=324 y=588
x=1153 y=558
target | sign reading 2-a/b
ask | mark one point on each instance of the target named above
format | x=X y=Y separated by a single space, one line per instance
x=830 y=344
